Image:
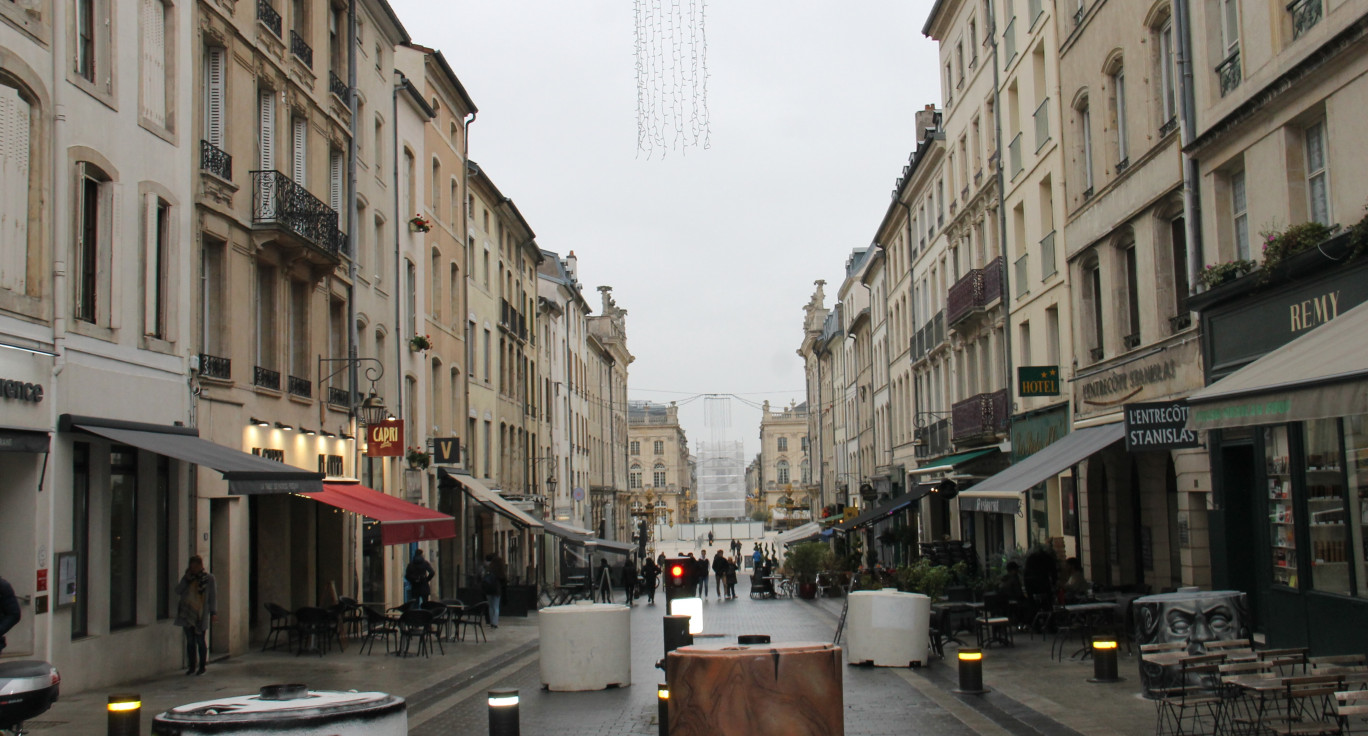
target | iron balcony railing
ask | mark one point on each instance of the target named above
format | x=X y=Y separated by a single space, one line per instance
x=1019 y=275
x=1305 y=14
x=933 y=440
x=215 y=161
x=980 y=415
x=301 y=49
x=266 y=13
x=339 y=396
x=929 y=337
x=1014 y=155
x=1131 y=341
x=337 y=86
x=1096 y=354
x=1042 y=124
x=278 y=200
x=299 y=386
x=1047 y=256
x=266 y=378
x=1228 y=71
x=212 y=366
x=1180 y=322
x=1009 y=40
x=1123 y=164
x=973 y=293
x=1036 y=9
x=1169 y=126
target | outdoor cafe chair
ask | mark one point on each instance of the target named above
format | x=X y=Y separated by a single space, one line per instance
x=1308 y=707
x=994 y=622
x=1351 y=708
x=353 y=620
x=1196 y=705
x=415 y=624
x=377 y=624
x=280 y=624
x=474 y=615
x=440 y=615
x=1288 y=660
x=316 y=629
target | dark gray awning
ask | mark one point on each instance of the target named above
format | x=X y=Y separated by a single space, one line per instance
x=489 y=499
x=14 y=439
x=1047 y=463
x=887 y=508
x=246 y=473
x=575 y=537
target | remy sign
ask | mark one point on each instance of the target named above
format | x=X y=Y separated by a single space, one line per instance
x=385 y=439
x=1038 y=380
x=1158 y=426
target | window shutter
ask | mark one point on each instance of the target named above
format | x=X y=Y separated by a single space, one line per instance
x=335 y=180
x=266 y=106
x=151 y=266
x=301 y=138
x=213 y=123
x=154 y=61
x=14 y=186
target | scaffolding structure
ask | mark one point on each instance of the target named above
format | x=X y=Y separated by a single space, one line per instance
x=720 y=465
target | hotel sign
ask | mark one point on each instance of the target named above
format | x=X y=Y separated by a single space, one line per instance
x=1158 y=426
x=385 y=439
x=1038 y=380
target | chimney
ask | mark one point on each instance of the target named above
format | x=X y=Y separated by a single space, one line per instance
x=572 y=267
x=925 y=118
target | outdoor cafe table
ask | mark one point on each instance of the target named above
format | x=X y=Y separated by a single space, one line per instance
x=1083 y=617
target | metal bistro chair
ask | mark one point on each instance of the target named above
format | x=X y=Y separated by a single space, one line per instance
x=1309 y=704
x=1193 y=708
x=280 y=624
x=1351 y=708
x=377 y=624
x=415 y=624
x=474 y=615
x=353 y=619
x=994 y=622
x=316 y=628
x=441 y=614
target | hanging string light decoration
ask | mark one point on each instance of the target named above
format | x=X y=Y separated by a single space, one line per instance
x=671 y=76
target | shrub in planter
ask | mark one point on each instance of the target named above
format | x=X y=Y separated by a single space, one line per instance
x=1219 y=273
x=806 y=560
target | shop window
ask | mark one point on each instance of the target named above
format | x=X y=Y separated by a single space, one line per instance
x=1353 y=530
x=1282 y=535
x=1326 y=508
x=80 y=537
x=123 y=537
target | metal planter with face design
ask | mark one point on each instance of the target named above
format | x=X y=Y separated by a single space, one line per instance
x=1193 y=619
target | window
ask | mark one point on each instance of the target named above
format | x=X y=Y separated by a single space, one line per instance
x=1052 y=336
x=154 y=63
x=658 y=476
x=299 y=149
x=454 y=295
x=436 y=185
x=16 y=115
x=634 y=477
x=215 y=95
x=783 y=444
x=488 y=351
x=156 y=254
x=299 y=329
x=636 y=447
x=1118 y=79
x=92 y=246
x=91 y=40
x=411 y=299
x=265 y=316
x=1230 y=26
x=1317 y=178
x=213 y=321
x=379 y=157
x=1240 y=214
x=336 y=182
x=1178 y=240
x=1093 y=300
x=658 y=447
x=1167 y=93
x=266 y=129
x=1132 y=298
x=781 y=472
x=123 y=537
x=85 y=38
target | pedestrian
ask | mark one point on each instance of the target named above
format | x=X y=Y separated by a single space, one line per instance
x=9 y=610
x=605 y=589
x=710 y=537
x=492 y=582
x=650 y=577
x=719 y=567
x=732 y=565
x=198 y=607
x=660 y=561
x=757 y=557
x=419 y=575
x=629 y=581
x=701 y=570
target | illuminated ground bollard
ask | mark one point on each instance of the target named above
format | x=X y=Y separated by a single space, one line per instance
x=1104 y=659
x=971 y=671
x=503 y=713
x=125 y=714
x=663 y=708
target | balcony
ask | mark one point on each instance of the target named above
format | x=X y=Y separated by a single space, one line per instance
x=339 y=396
x=974 y=293
x=1096 y=354
x=1014 y=155
x=1047 y=256
x=1180 y=322
x=279 y=203
x=212 y=366
x=266 y=378
x=1078 y=16
x=1009 y=40
x=301 y=387
x=1228 y=72
x=932 y=440
x=266 y=13
x=338 y=87
x=1019 y=275
x=1122 y=165
x=216 y=161
x=929 y=337
x=1042 y=124
x=983 y=415
x=300 y=49
x=1169 y=126
x=1305 y=14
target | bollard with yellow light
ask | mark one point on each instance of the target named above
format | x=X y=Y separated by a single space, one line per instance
x=663 y=708
x=971 y=672
x=1104 y=659
x=125 y=714
x=503 y=713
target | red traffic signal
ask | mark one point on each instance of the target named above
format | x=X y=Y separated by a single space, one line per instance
x=682 y=573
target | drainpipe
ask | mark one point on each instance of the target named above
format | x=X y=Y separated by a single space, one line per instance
x=1002 y=232
x=1187 y=105
x=60 y=304
x=353 y=222
x=399 y=277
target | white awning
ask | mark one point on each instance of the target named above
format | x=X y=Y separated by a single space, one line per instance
x=1047 y=463
x=800 y=533
x=491 y=500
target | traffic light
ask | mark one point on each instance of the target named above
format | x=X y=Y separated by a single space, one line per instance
x=681 y=576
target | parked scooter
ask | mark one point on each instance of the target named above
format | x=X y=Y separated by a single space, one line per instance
x=28 y=688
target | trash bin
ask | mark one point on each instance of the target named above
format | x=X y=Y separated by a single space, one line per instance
x=888 y=628
x=1191 y=617
x=282 y=710
x=585 y=646
x=785 y=689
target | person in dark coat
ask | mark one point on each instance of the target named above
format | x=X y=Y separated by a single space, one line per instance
x=1040 y=578
x=198 y=607
x=605 y=583
x=629 y=581
x=419 y=575
x=719 y=568
x=650 y=578
x=9 y=610
x=701 y=570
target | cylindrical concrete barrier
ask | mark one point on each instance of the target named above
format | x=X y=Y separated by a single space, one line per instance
x=282 y=710
x=787 y=689
x=585 y=646
x=888 y=628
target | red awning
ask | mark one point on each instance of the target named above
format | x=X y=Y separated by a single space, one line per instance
x=401 y=522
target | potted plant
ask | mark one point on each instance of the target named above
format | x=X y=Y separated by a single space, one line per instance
x=1218 y=273
x=418 y=459
x=419 y=224
x=419 y=343
x=805 y=561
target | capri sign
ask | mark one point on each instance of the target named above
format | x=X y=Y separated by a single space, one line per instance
x=385 y=439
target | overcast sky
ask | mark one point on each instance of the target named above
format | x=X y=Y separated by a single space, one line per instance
x=713 y=253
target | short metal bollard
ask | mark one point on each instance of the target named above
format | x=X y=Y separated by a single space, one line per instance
x=125 y=714
x=677 y=633
x=663 y=708
x=503 y=713
x=1104 y=659
x=753 y=639
x=971 y=671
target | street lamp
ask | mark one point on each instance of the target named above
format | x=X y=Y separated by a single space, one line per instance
x=370 y=410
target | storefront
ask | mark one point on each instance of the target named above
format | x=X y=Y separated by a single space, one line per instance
x=945 y=477
x=495 y=524
x=1289 y=444
x=25 y=493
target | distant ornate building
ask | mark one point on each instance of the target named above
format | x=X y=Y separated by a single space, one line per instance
x=659 y=475
x=784 y=477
